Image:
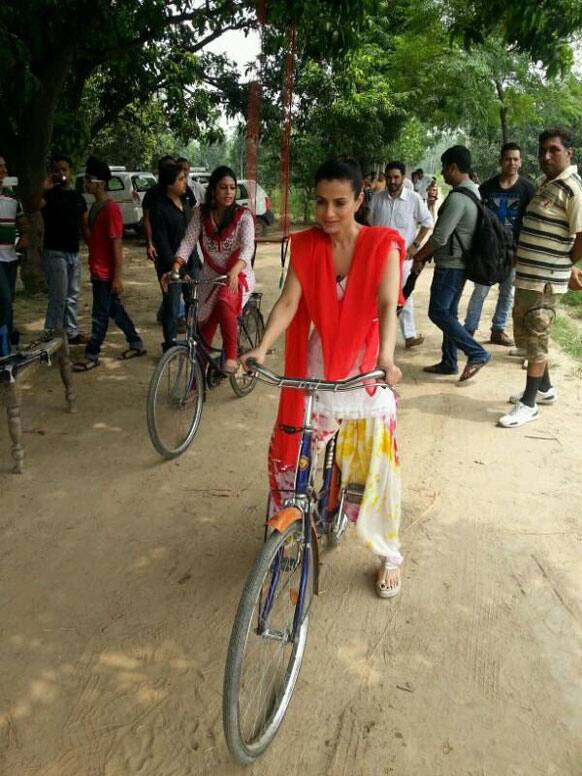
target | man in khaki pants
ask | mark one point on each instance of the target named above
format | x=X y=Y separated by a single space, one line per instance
x=550 y=243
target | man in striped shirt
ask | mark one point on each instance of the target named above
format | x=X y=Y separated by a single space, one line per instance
x=12 y=228
x=550 y=243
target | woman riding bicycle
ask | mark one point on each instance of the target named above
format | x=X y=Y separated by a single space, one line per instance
x=338 y=307
x=226 y=233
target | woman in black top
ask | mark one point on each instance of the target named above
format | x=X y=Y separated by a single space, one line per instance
x=169 y=217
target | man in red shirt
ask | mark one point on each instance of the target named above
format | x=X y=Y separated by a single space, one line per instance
x=105 y=263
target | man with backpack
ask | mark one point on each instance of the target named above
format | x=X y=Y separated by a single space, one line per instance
x=507 y=195
x=450 y=244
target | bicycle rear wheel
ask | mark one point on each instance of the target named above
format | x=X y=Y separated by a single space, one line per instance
x=175 y=399
x=263 y=662
x=250 y=331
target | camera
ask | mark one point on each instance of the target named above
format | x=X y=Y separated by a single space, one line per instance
x=58 y=180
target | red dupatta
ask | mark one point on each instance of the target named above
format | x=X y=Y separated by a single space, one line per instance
x=343 y=329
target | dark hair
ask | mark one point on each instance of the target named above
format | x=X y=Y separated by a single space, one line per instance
x=95 y=168
x=341 y=169
x=565 y=135
x=164 y=160
x=182 y=160
x=61 y=158
x=509 y=147
x=396 y=166
x=459 y=155
x=215 y=177
x=169 y=172
x=420 y=171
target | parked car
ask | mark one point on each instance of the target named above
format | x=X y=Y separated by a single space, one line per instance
x=200 y=175
x=263 y=207
x=127 y=188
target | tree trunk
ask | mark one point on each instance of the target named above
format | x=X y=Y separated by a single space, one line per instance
x=502 y=112
x=31 y=150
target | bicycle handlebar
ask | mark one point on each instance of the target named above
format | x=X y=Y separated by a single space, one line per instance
x=313 y=384
x=218 y=281
x=10 y=364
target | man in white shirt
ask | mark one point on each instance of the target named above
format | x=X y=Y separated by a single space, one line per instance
x=422 y=183
x=402 y=209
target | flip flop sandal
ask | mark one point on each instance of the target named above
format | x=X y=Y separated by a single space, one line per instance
x=471 y=369
x=85 y=366
x=383 y=589
x=130 y=353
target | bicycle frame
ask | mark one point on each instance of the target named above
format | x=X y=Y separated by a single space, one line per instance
x=301 y=496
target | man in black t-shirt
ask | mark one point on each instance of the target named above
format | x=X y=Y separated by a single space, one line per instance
x=507 y=195
x=64 y=212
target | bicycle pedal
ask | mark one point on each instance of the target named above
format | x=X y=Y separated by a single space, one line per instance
x=354 y=493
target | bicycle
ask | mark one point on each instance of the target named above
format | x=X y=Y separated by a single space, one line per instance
x=270 y=628
x=187 y=370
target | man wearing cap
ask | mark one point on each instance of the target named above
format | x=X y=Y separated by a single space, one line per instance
x=105 y=266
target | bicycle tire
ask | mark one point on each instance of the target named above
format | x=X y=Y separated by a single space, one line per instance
x=182 y=403
x=247 y=751
x=250 y=333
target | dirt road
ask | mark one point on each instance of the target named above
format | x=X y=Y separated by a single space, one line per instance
x=120 y=574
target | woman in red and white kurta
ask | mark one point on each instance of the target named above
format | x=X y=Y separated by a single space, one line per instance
x=338 y=307
x=226 y=233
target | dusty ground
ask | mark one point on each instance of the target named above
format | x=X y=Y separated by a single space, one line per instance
x=120 y=575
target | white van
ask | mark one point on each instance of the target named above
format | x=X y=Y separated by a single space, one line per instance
x=127 y=188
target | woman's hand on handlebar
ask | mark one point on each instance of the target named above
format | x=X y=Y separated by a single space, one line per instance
x=232 y=281
x=173 y=274
x=257 y=354
x=393 y=373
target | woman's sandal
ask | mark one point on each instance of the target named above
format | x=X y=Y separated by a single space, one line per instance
x=85 y=366
x=130 y=353
x=388 y=583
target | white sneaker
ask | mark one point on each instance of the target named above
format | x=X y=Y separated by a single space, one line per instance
x=542 y=397
x=519 y=415
x=519 y=352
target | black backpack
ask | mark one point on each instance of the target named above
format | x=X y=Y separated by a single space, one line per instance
x=489 y=259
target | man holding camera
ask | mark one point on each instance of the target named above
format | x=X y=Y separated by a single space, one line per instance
x=64 y=213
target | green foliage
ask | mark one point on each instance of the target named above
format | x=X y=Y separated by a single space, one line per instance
x=568 y=335
x=541 y=28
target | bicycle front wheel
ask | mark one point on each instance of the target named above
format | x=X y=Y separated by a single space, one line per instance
x=175 y=399
x=250 y=332
x=264 y=657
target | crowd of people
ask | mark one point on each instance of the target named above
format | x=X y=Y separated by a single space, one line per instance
x=349 y=276
x=545 y=224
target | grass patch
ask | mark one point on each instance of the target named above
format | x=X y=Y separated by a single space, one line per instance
x=568 y=336
x=573 y=300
